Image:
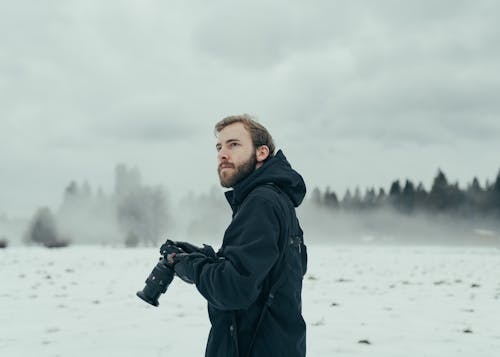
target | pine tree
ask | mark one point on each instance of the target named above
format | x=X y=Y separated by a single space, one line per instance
x=43 y=228
x=330 y=199
x=438 y=197
x=496 y=194
x=356 y=199
x=347 y=200
x=421 y=196
x=475 y=198
x=370 y=198
x=316 y=196
x=408 y=197
x=381 y=198
x=395 y=195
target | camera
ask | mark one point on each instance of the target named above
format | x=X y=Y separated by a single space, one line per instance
x=162 y=275
x=157 y=282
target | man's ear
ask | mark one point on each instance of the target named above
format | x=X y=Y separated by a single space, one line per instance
x=262 y=153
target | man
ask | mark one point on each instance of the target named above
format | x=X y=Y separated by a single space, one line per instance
x=253 y=284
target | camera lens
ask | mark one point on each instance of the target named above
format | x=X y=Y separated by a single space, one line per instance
x=157 y=283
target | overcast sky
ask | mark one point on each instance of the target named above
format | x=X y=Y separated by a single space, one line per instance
x=355 y=93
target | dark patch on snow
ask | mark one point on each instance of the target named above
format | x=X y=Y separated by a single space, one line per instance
x=319 y=322
x=342 y=280
x=364 y=342
x=440 y=282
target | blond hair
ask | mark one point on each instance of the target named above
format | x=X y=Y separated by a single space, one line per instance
x=259 y=134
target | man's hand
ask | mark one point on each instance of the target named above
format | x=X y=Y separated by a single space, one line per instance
x=171 y=246
x=182 y=266
x=187 y=247
x=181 y=255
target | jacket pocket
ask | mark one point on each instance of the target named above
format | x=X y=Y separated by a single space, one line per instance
x=297 y=260
x=303 y=258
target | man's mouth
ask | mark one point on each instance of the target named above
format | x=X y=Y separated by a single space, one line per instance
x=225 y=166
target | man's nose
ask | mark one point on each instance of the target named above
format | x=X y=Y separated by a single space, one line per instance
x=222 y=155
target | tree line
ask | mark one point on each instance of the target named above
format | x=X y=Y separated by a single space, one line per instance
x=408 y=198
x=136 y=213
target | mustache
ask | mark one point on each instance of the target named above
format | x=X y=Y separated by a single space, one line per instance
x=225 y=164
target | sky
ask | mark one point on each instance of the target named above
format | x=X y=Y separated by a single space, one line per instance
x=356 y=93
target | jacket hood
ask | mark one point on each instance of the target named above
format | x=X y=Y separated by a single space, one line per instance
x=276 y=170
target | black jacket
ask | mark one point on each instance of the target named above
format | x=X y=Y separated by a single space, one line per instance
x=261 y=246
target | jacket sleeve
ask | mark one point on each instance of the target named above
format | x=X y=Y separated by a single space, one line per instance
x=234 y=280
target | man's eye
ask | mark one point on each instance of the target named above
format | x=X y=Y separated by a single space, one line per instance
x=234 y=145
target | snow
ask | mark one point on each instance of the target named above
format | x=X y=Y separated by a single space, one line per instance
x=401 y=301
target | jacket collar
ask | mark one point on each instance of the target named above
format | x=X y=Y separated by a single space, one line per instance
x=276 y=170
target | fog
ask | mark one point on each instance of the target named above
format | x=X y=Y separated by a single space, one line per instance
x=387 y=227
x=135 y=213
x=204 y=218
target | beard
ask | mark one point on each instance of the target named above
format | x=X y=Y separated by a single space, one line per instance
x=239 y=173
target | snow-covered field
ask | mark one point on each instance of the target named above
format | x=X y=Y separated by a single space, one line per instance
x=358 y=301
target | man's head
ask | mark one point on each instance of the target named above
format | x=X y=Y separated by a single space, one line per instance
x=243 y=145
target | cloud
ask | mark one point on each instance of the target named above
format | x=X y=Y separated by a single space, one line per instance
x=89 y=83
x=145 y=127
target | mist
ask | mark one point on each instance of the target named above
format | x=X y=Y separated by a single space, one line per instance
x=388 y=227
x=87 y=215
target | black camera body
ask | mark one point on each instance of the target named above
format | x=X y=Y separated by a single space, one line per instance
x=162 y=275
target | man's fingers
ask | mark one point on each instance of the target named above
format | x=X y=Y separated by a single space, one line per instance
x=170 y=258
